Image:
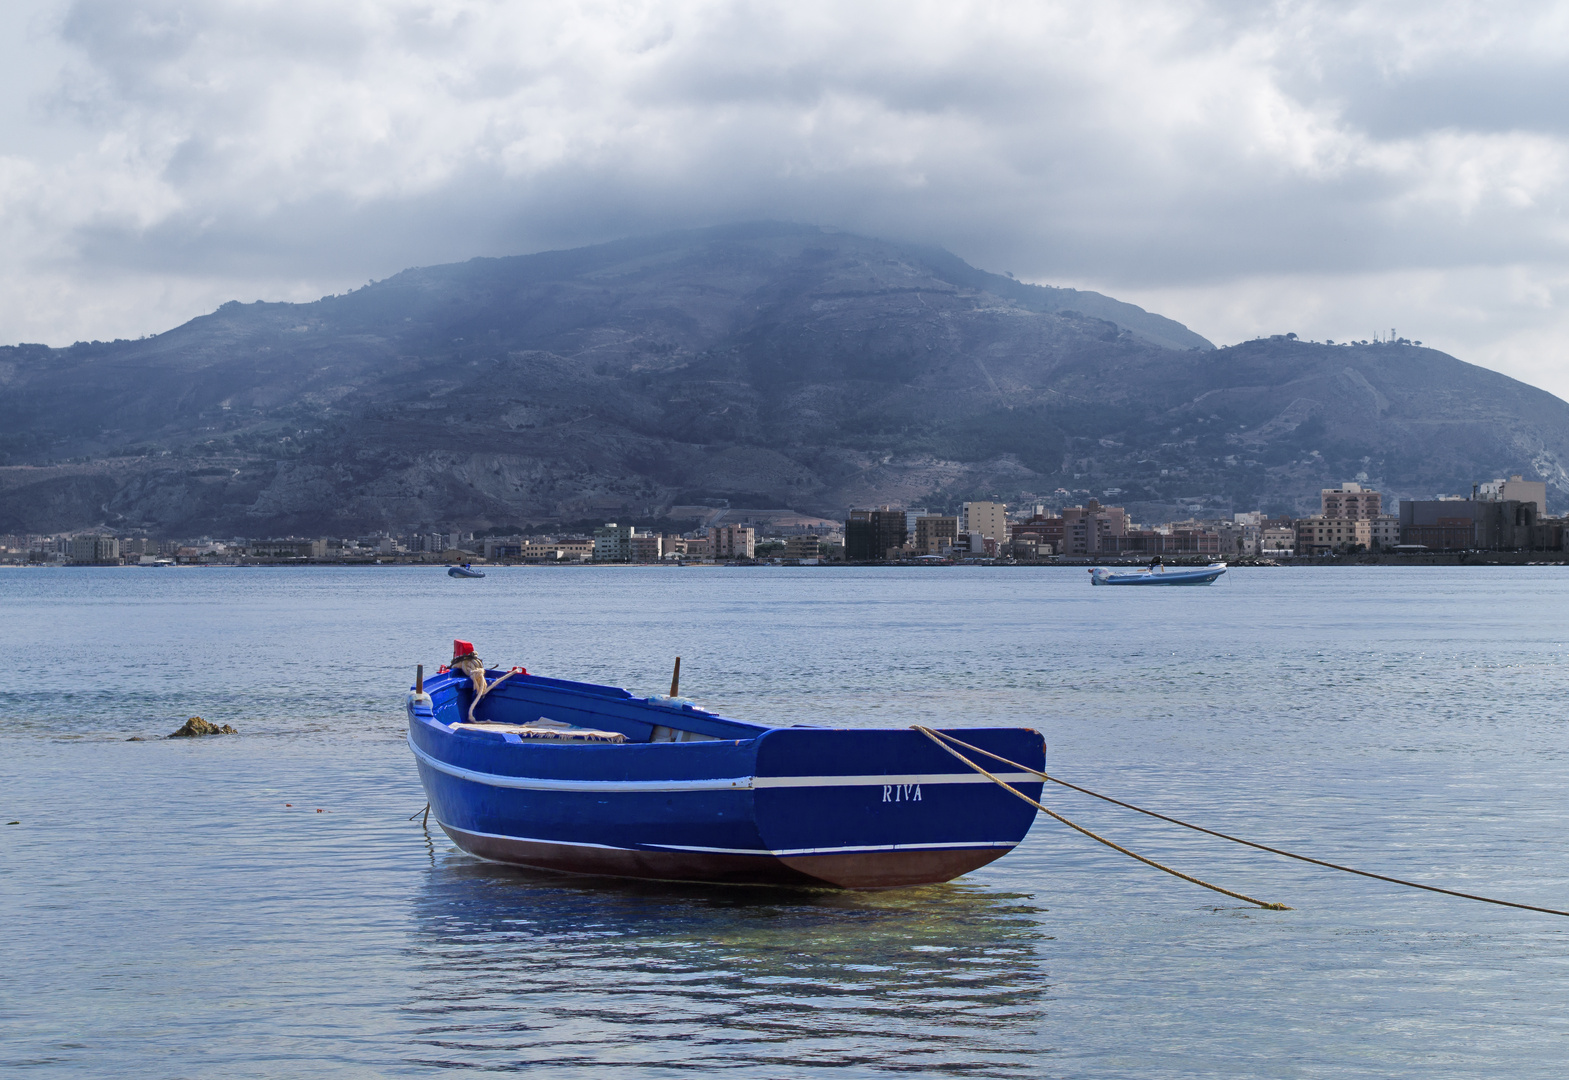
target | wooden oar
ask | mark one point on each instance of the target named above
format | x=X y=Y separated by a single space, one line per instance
x=675 y=679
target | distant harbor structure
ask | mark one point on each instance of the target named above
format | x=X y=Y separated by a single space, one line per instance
x=1504 y=515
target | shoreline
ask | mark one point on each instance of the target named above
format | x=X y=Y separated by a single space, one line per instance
x=1459 y=558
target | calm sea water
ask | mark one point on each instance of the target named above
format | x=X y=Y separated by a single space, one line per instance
x=168 y=915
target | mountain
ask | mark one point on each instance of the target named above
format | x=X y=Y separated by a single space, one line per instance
x=754 y=366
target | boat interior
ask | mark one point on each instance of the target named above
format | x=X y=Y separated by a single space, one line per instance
x=517 y=707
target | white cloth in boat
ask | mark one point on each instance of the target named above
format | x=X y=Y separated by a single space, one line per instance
x=546 y=728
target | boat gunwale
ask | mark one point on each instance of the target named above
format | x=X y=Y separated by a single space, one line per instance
x=752 y=781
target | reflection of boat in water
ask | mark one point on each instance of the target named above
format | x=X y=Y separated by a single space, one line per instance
x=464 y=571
x=1157 y=575
x=589 y=779
x=513 y=965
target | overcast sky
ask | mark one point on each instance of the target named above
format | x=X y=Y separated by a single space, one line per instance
x=1333 y=169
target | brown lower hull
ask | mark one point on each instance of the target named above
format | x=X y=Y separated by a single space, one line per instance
x=845 y=870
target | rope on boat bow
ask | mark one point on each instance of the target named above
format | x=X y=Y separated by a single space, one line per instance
x=464 y=660
x=942 y=739
x=938 y=737
x=488 y=687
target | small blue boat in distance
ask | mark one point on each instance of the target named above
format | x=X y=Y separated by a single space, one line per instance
x=464 y=571
x=588 y=779
x=1158 y=575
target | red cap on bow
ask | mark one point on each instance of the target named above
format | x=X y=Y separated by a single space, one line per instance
x=462 y=648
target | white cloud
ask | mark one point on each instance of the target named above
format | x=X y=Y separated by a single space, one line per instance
x=1237 y=166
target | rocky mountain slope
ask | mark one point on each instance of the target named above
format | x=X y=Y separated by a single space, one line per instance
x=757 y=366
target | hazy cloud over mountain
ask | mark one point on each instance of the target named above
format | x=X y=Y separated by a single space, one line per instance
x=1332 y=169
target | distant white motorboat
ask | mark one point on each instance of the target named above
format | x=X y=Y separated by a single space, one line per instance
x=1157 y=575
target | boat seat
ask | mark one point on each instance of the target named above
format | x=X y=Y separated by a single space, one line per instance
x=661 y=733
x=547 y=730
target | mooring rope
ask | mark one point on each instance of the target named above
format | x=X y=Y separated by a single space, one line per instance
x=932 y=735
x=1237 y=839
x=489 y=687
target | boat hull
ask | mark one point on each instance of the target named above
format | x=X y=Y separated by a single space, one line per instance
x=857 y=870
x=807 y=807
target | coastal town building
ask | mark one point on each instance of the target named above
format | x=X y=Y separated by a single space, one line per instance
x=1092 y=528
x=987 y=518
x=1039 y=531
x=1238 y=537
x=613 y=542
x=1531 y=491
x=430 y=543
x=972 y=545
x=874 y=535
x=1351 y=519
x=1470 y=524
x=1350 y=500
x=286 y=549
x=1194 y=541
x=645 y=548
x=575 y=549
x=1384 y=532
x=1277 y=536
x=94 y=550
x=729 y=542
x=802 y=547
x=1163 y=541
x=933 y=532
x=1321 y=535
x=1028 y=546
x=499 y=549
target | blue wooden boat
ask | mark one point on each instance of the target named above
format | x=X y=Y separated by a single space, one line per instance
x=589 y=779
x=464 y=571
x=1158 y=575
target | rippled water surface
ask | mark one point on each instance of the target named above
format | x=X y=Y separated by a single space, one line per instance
x=169 y=915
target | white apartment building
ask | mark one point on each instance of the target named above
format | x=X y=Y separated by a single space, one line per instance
x=613 y=542
x=1277 y=540
x=1531 y=491
x=987 y=518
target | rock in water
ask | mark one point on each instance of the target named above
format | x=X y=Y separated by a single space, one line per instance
x=197 y=726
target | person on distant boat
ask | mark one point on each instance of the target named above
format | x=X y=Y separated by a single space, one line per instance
x=1156 y=567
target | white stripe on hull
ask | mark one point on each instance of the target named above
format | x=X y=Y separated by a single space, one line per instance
x=539 y=783
x=729 y=783
x=879 y=779
x=957 y=845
